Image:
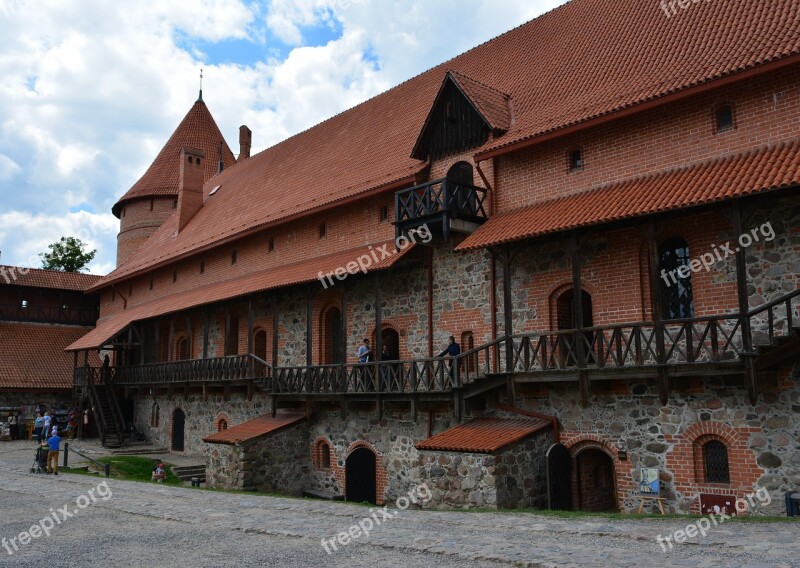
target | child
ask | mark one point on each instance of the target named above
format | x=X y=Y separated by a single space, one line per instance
x=159 y=474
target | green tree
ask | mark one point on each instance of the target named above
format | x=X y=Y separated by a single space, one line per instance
x=67 y=255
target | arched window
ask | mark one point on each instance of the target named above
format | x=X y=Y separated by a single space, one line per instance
x=181 y=349
x=676 y=279
x=461 y=172
x=222 y=425
x=323 y=457
x=715 y=462
x=468 y=344
x=154 y=415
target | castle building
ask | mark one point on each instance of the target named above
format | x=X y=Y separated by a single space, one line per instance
x=599 y=206
x=41 y=313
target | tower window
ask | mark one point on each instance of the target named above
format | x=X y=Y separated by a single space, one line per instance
x=233 y=257
x=202 y=266
x=576 y=160
x=323 y=230
x=724 y=118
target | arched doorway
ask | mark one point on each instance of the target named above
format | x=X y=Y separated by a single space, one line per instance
x=360 y=477
x=461 y=172
x=332 y=339
x=182 y=349
x=565 y=320
x=178 y=423
x=595 y=477
x=391 y=339
x=559 y=478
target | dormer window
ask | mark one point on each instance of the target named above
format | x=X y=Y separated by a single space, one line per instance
x=576 y=160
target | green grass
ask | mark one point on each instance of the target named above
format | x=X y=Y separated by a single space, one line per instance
x=129 y=468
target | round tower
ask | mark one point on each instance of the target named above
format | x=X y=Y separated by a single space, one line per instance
x=154 y=197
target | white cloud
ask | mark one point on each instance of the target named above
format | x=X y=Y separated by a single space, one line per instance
x=90 y=91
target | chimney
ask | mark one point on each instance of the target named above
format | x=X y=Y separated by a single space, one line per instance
x=245 y=138
x=190 y=185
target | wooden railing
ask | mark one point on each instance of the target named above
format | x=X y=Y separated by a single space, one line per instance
x=459 y=200
x=48 y=314
x=775 y=319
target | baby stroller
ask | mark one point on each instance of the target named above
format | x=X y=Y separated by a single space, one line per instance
x=40 y=460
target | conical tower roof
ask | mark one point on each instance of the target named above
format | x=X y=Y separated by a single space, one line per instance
x=196 y=130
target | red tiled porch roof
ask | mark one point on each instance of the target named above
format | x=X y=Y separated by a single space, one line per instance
x=32 y=356
x=484 y=435
x=255 y=428
x=287 y=275
x=583 y=60
x=54 y=279
x=716 y=180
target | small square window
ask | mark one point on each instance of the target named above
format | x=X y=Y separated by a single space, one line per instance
x=724 y=118
x=384 y=214
x=576 y=160
x=323 y=230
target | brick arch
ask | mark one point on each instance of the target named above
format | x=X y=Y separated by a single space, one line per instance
x=384 y=326
x=381 y=474
x=316 y=453
x=726 y=434
x=590 y=441
x=559 y=288
x=222 y=416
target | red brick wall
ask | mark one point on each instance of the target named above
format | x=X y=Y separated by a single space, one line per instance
x=767 y=110
x=138 y=221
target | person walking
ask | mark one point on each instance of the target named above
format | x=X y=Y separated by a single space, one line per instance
x=54 y=442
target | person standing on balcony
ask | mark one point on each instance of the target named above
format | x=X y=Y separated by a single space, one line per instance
x=452 y=350
x=365 y=356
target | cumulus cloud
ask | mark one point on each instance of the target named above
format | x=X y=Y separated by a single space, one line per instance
x=90 y=91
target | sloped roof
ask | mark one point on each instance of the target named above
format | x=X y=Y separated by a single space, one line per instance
x=490 y=103
x=299 y=272
x=764 y=169
x=255 y=428
x=32 y=356
x=484 y=435
x=54 y=279
x=583 y=60
x=196 y=130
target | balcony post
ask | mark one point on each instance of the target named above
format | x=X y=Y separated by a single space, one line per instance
x=171 y=340
x=206 y=324
x=508 y=324
x=750 y=378
x=658 y=312
x=378 y=342
x=577 y=318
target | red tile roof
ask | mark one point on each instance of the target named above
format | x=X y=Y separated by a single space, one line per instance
x=196 y=130
x=256 y=428
x=32 y=356
x=484 y=435
x=490 y=103
x=38 y=278
x=746 y=173
x=297 y=273
x=585 y=59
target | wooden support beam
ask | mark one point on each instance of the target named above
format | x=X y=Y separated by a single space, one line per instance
x=250 y=390
x=344 y=352
x=577 y=317
x=750 y=375
x=658 y=312
x=206 y=325
x=378 y=346
x=205 y=392
x=309 y=325
x=275 y=331
x=169 y=392
x=250 y=324
x=429 y=252
x=171 y=340
x=508 y=326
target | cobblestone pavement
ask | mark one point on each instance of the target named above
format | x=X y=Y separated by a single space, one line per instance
x=145 y=524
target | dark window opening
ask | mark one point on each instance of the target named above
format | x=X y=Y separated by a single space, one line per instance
x=324 y=456
x=676 y=279
x=384 y=213
x=715 y=458
x=151 y=283
x=724 y=118
x=323 y=230
x=576 y=160
x=174 y=276
x=223 y=424
x=461 y=173
x=202 y=267
x=233 y=257
x=151 y=205
x=271 y=245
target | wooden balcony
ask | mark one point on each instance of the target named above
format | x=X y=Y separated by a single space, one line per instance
x=443 y=205
x=48 y=314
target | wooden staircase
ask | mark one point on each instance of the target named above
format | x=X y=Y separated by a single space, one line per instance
x=108 y=414
x=782 y=351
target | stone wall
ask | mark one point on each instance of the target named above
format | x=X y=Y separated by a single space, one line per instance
x=761 y=439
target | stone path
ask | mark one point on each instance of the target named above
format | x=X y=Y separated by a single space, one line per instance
x=204 y=528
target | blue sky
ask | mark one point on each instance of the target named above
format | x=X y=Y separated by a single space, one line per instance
x=91 y=90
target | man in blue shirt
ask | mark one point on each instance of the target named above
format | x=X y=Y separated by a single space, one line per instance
x=52 y=456
x=453 y=349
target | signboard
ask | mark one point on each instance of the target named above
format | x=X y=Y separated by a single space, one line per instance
x=649 y=483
